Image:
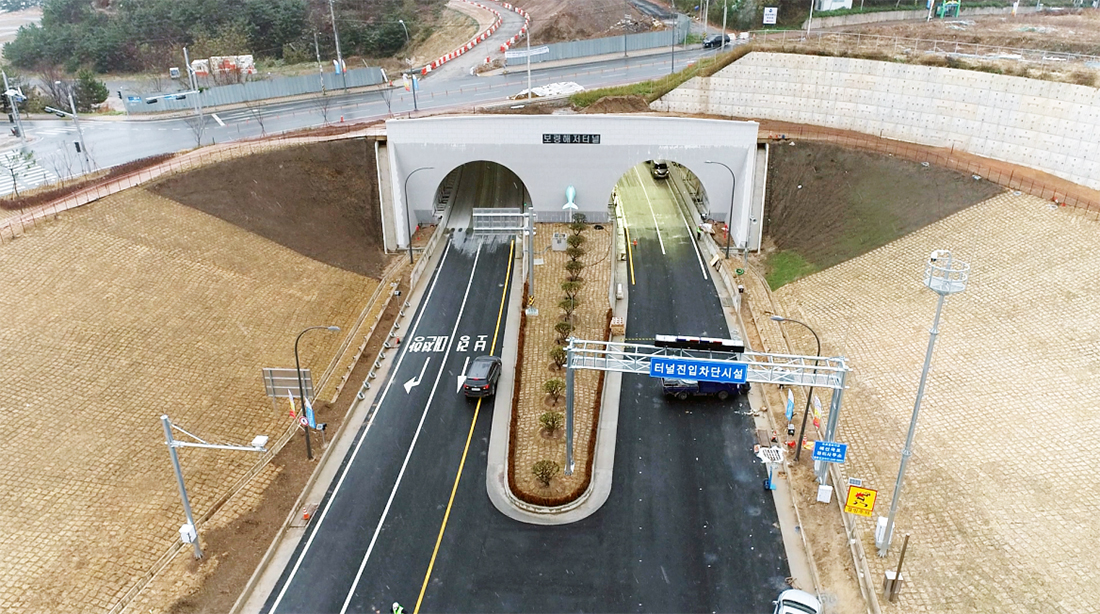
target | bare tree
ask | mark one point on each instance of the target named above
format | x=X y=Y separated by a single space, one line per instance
x=197 y=124
x=323 y=103
x=17 y=163
x=387 y=97
x=62 y=161
x=257 y=112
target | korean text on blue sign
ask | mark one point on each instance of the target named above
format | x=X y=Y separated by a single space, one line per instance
x=830 y=451
x=698 y=370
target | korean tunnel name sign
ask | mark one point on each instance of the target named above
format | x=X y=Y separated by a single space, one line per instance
x=699 y=370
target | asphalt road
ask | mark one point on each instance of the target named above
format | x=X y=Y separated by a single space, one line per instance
x=114 y=141
x=372 y=539
x=688 y=525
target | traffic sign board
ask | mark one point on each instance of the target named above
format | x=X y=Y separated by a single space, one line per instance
x=699 y=370
x=860 y=501
x=830 y=451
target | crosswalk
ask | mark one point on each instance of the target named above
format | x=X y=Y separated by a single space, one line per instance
x=17 y=169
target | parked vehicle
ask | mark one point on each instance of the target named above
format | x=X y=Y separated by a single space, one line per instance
x=794 y=601
x=684 y=388
x=716 y=40
x=659 y=170
x=481 y=378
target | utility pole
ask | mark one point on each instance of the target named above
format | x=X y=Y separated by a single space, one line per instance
x=336 y=36
x=528 y=37
x=320 y=69
x=14 y=109
x=80 y=133
x=194 y=81
x=725 y=12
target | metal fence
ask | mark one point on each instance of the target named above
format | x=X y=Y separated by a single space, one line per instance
x=610 y=44
x=838 y=42
x=258 y=90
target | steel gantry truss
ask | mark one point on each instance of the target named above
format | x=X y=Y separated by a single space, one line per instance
x=786 y=369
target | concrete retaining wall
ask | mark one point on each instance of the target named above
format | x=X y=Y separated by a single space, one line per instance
x=1054 y=127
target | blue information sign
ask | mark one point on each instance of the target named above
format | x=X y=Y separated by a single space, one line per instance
x=830 y=451
x=134 y=99
x=698 y=370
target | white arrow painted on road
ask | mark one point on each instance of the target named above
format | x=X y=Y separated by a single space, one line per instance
x=462 y=378
x=412 y=383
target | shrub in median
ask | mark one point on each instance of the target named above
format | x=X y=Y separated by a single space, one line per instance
x=545 y=470
x=552 y=420
x=553 y=387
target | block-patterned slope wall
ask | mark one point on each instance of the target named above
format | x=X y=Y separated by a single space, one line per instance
x=1053 y=127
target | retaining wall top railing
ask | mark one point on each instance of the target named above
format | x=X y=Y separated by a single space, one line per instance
x=1059 y=193
x=855 y=41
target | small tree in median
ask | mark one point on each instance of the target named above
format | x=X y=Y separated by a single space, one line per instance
x=575 y=240
x=563 y=329
x=559 y=356
x=575 y=253
x=545 y=470
x=574 y=268
x=568 y=305
x=552 y=421
x=553 y=387
x=577 y=225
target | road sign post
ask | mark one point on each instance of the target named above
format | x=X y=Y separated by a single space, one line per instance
x=830 y=452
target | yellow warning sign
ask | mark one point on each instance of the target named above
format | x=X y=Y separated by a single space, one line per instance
x=860 y=501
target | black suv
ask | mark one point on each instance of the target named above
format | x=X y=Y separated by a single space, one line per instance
x=715 y=40
x=481 y=378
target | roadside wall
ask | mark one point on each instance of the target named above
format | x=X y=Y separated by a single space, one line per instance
x=607 y=45
x=1053 y=127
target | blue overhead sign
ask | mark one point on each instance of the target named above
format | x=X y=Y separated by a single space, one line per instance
x=830 y=451
x=698 y=370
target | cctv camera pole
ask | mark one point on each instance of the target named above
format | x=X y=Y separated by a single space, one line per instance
x=258 y=444
x=80 y=134
x=179 y=479
x=14 y=110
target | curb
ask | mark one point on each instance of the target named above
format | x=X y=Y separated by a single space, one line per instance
x=603 y=461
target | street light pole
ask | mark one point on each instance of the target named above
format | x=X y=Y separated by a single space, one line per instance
x=336 y=36
x=11 y=94
x=408 y=220
x=301 y=386
x=943 y=275
x=80 y=133
x=729 y=220
x=402 y=22
x=809 y=394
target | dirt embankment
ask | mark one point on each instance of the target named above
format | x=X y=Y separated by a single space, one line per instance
x=829 y=204
x=320 y=200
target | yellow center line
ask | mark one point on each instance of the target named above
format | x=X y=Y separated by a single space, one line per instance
x=629 y=251
x=469 y=437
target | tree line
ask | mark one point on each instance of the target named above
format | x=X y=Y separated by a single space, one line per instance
x=141 y=35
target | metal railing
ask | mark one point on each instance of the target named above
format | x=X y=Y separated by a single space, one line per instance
x=897 y=45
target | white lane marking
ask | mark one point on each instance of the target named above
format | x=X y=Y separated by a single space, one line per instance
x=691 y=236
x=412 y=446
x=655 y=225
x=218 y=119
x=462 y=378
x=415 y=381
x=354 y=454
